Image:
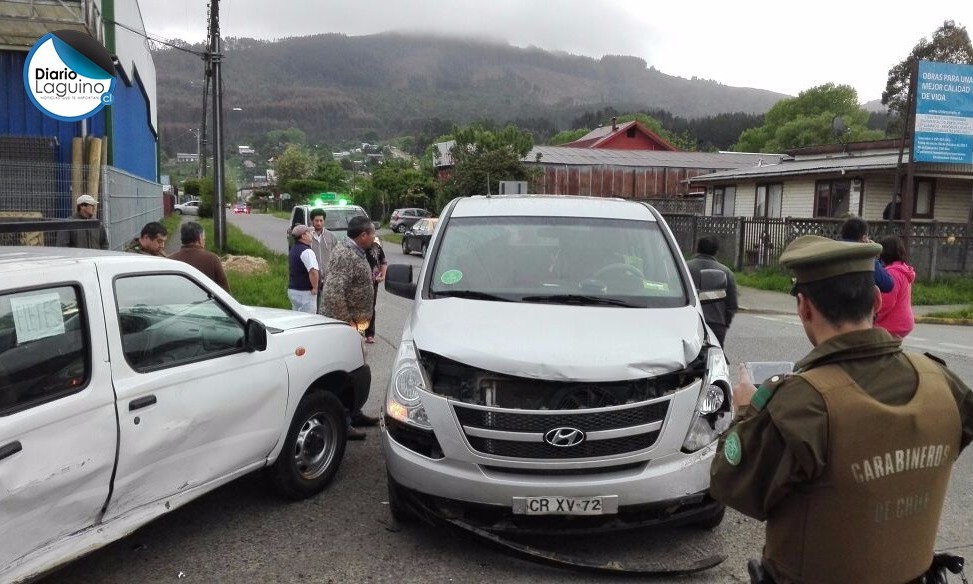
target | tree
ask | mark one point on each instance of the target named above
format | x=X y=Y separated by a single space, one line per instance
x=808 y=119
x=481 y=156
x=403 y=185
x=294 y=163
x=568 y=136
x=332 y=176
x=950 y=44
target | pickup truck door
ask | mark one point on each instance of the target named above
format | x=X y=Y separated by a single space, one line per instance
x=195 y=409
x=58 y=428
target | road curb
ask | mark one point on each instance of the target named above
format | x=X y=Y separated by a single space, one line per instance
x=950 y=321
x=763 y=310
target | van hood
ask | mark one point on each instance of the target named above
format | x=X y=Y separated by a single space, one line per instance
x=278 y=318
x=558 y=342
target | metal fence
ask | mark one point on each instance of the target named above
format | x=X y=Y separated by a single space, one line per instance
x=936 y=249
x=44 y=190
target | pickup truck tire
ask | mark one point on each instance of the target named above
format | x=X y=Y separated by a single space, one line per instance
x=313 y=448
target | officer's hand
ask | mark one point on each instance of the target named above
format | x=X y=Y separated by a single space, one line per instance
x=744 y=389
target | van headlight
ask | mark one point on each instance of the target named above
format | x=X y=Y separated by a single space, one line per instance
x=403 y=401
x=714 y=407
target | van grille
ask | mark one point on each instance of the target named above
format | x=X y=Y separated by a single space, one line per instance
x=534 y=424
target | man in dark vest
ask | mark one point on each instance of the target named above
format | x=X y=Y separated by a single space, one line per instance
x=302 y=282
x=848 y=459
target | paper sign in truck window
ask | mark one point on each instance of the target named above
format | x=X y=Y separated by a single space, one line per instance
x=37 y=316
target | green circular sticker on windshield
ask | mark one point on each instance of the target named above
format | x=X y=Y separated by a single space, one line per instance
x=451 y=277
x=732 y=449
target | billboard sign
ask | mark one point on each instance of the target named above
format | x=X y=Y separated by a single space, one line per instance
x=69 y=76
x=944 y=114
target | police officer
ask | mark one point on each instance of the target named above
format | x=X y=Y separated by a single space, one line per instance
x=848 y=459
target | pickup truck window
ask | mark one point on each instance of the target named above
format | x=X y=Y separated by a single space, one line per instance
x=167 y=320
x=44 y=347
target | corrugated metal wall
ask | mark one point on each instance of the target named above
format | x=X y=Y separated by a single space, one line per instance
x=615 y=181
x=134 y=144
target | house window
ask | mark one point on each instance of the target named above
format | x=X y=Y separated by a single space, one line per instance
x=925 y=199
x=831 y=198
x=630 y=133
x=768 y=203
x=724 y=201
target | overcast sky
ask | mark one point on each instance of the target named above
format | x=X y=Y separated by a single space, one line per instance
x=781 y=46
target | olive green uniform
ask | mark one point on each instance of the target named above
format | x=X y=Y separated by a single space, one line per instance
x=780 y=445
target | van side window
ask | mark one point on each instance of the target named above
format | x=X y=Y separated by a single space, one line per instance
x=44 y=347
x=168 y=320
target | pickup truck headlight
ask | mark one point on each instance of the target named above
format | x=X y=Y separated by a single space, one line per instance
x=714 y=408
x=408 y=378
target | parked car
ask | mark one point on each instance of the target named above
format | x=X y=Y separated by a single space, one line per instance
x=402 y=219
x=131 y=385
x=241 y=208
x=532 y=390
x=335 y=220
x=187 y=208
x=417 y=238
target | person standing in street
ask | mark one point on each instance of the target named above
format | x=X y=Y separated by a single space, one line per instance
x=896 y=315
x=856 y=229
x=717 y=313
x=349 y=295
x=378 y=264
x=194 y=253
x=151 y=240
x=85 y=207
x=302 y=283
x=322 y=242
x=848 y=459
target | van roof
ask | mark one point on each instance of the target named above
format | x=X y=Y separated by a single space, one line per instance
x=551 y=206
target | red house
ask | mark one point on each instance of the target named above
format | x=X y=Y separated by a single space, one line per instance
x=628 y=136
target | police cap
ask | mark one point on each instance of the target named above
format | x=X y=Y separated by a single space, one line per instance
x=812 y=257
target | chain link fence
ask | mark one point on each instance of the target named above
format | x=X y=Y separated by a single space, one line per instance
x=32 y=191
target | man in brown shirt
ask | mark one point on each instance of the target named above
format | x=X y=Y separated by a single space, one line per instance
x=194 y=253
x=848 y=459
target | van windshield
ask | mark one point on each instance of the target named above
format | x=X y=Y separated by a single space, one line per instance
x=337 y=219
x=558 y=260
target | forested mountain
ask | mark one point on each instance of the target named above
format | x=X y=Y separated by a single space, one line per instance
x=337 y=87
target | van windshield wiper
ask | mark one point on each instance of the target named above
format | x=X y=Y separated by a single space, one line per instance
x=577 y=299
x=471 y=294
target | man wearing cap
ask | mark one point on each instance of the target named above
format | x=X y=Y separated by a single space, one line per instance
x=848 y=459
x=302 y=284
x=93 y=237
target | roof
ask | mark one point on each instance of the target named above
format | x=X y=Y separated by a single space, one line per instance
x=888 y=161
x=647 y=158
x=599 y=136
x=39 y=257
x=551 y=206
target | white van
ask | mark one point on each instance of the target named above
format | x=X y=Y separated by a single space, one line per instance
x=555 y=371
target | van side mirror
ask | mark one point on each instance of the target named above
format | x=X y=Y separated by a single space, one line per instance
x=255 y=336
x=398 y=281
x=712 y=285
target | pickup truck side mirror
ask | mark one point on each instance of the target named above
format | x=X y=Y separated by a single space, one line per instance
x=255 y=336
x=398 y=281
x=712 y=285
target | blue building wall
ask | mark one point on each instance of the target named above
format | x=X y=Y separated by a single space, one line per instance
x=18 y=116
x=134 y=140
x=132 y=145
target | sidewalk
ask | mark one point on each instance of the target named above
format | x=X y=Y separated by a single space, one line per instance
x=757 y=301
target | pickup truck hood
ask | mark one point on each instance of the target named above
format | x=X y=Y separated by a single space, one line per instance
x=278 y=318
x=558 y=342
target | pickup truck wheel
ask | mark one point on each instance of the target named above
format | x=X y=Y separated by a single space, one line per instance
x=313 y=448
x=397 y=507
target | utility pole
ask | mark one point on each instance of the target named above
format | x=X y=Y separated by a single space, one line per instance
x=215 y=60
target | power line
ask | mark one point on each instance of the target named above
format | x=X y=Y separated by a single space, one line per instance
x=149 y=37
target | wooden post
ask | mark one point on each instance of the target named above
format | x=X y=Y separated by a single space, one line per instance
x=77 y=176
x=94 y=166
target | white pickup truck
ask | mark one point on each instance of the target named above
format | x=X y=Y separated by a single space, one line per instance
x=130 y=385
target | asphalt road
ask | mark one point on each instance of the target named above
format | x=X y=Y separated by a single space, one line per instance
x=243 y=533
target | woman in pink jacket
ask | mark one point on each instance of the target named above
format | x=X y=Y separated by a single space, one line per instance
x=895 y=315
